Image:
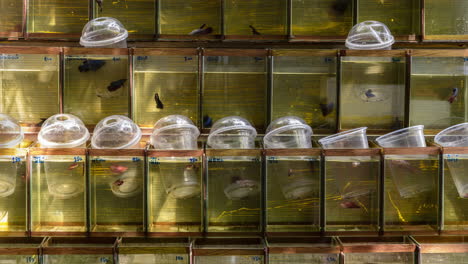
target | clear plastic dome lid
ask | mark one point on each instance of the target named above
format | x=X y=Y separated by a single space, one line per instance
x=103 y=31
x=454 y=136
x=174 y=132
x=11 y=133
x=288 y=132
x=232 y=132
x=115 y=132
x=63 y=131
x=369 y=35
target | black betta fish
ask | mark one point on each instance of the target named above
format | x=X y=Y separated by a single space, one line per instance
x=91 y=65
x=115 y=85
x=327 y=108
x=100 y=2
x=339 y=7
x=157 y=100
x=254 y=30
x=201 y=30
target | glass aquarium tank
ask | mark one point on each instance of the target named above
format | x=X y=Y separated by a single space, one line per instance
x=58 y=193
x=438 y=89
x=165 y=83
x=57 y=250
x=321 y=19
x=445 y=20
x=96 y=85
x=377 y=85
x=20 y=250
x=117 y=191
x=29 y=83
x=138 y=16
x=56 y=18
x=229 y=251
x=304 y=85
x=442 y=249
x=190 y=19
x=154 y=250
x=255 y=19
x=235 y=83
x=396 y=250
x=303 y=250
x=11 y=20
x=402 y=17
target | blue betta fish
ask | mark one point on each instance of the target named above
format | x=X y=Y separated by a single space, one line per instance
x=91 y=65
x=115 y=85
x=207 y=121
x=201 y=30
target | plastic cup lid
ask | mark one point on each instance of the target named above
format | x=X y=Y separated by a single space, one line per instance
x=103 y=31
x=234 y=124
x=284 y=124
x=395 y=135
x=11 y=133
x=341 y=135
x=454 y=136
x=369 y=35
x=115 y=132
x=63 y=131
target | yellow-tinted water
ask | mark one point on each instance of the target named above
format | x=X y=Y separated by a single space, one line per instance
x=303 y=258
x=175 y=194
x=153 y=258
x=384 y=258
x=138 y=16
x=87 y=93
x=174 y=79
x=117 y=194
x=445 y=18
x=78 y=259
x=435 y=258
x=12 y=16
x=57 y=16
x=455 y=205
x=292 y=194
x=305 y=87
x=229 y=259
x=29 y=86
x=20 y=259
x=321 y=18
x=377 y=85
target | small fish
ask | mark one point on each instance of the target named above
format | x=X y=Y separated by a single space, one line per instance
x=73 y=166
x=254 y=30
x=91 y=65
x=201 y=31
x=118 y=169
x=369 y=93
x=397 y=124
x=454 y=95
x=349 y=204
x=119 y=182
x=405 y=165
x=115 y=85
x=356 y=164
x=339 y=7
x=207 y=121
x=100 y=2
x=42 y=121
x=290 y=172
x=327 y=108
x=159 y=104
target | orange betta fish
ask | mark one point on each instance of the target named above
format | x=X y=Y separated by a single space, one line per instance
x=73 y=166
x=118 y=169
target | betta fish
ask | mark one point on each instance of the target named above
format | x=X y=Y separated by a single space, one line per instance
x=100 y=2
x=73 y=166
x=339 y=7
x=327 y=108
x=91 y=65
x=349 y=205
x=201 y=30
x=369 y=94
x=115 y=85
x=159 y=104
x=207 y=121
x=454 y=95
x=254 y=30
x=118 y=169
x=119 y=182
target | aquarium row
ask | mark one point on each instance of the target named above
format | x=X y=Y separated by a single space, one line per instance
x=331 y=90
x=237 y=20
x=248 y=250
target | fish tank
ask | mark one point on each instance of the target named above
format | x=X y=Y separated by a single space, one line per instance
x=29 y=83
x=58 y=193
x=235 y=83
x=19 y=250
x=445 y=21
x=233 y=191
x=154 y=250
x=438 y=87
x=96 y=83
x=190 y=19
x=303 y=250
x=56 y=18
x=166 y=82
x=352 y=178
x=411 y=196
x=402 y=17
x=11 y=21
x=229 y=251
x=13 y=196
x=321 y=19
x=139 y=17
x=255 y=19
x=377 y=84
x=442 y=249
x=175 y=196
x=116 y=191
x=292 y=190
x=393 y=249
x=304 y=85
x=77 y=250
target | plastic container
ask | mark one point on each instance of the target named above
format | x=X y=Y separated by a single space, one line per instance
x=232 y=132
x=454 y=136
x=115 y=132
x=370 y=35
x=288 y=132
x=11 y=133
x=351 y=139
x=175 y=132
x=63 y=131
x=104 y=32
x=410 y=137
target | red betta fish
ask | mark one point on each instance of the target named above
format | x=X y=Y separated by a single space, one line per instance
x=118 y=169
x=73 y=166
x=454 y=95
